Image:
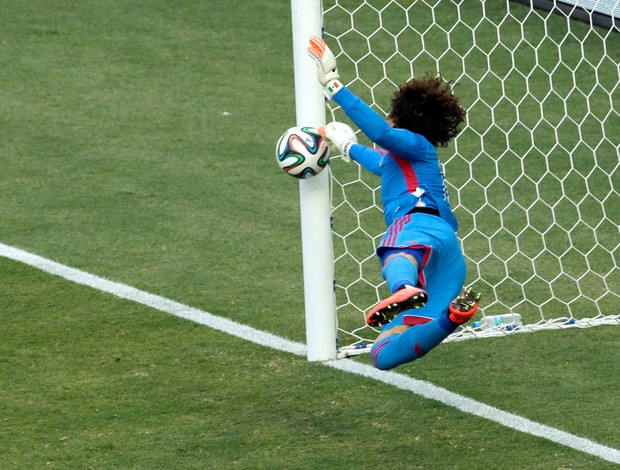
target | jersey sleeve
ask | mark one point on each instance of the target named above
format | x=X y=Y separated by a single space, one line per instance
x=370 y=159
x=398 y=141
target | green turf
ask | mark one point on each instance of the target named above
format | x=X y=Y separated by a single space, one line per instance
x=136 y=142
x=90 y=381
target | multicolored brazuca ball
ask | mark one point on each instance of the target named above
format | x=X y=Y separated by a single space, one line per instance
x=302 y=152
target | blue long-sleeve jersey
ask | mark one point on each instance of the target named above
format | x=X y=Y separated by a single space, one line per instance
x=408 y=164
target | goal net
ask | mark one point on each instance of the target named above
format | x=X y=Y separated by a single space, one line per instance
x=534 y=176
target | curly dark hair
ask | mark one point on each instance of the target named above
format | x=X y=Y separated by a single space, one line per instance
x=428 y=107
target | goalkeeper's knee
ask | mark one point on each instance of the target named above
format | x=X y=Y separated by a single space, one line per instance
x=400 y=270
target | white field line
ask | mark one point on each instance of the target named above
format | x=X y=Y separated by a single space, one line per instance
x=418 y=387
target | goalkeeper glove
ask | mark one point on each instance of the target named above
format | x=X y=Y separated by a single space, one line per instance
x=341 y=137
x=326 y=66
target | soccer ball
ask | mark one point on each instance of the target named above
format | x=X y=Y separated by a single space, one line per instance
x=302 y=152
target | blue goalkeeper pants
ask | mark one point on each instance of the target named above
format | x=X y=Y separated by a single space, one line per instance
x=441 y=274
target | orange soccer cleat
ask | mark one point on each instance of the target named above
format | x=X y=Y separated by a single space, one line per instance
x=464 y=306
x=401 y=300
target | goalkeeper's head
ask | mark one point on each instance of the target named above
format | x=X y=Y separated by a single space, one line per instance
x=428 y=107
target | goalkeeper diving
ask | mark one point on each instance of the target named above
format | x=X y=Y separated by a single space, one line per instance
x=420 y=254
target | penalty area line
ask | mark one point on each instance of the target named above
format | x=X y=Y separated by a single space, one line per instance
x=225 y=325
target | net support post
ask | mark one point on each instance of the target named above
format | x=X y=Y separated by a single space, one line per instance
x=316 y=234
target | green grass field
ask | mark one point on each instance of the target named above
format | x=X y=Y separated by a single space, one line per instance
x=136 y=143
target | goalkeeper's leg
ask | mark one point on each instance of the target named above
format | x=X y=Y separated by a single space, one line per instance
x=400 y=270
x=411 y=343
x=414 y=333
x=412 y=336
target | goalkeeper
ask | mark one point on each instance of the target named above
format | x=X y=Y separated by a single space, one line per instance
x=420 y=254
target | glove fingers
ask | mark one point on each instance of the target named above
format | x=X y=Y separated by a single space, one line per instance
x=343 y=129
x=317 y=47
x=326 y=66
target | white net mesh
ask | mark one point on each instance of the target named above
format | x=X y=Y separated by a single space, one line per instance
x=534 y=176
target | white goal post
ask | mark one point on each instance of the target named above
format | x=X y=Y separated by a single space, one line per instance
x=317 y=251
x=534 y=176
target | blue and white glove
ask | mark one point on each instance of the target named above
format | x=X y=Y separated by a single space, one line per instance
x=340 y=136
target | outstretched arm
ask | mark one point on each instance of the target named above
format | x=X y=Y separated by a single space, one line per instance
x=377 y=129
x=342 y=138
x=399 y=141
x=369 y=158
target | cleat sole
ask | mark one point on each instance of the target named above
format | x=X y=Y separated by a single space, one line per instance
x=385 y=311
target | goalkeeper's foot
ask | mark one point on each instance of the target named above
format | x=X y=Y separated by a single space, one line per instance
x=401 y=300
x=464 y=306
